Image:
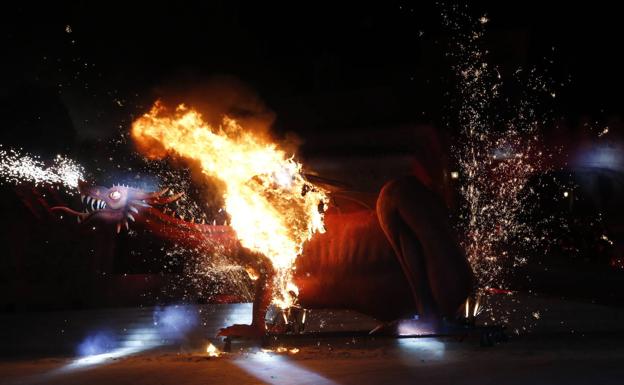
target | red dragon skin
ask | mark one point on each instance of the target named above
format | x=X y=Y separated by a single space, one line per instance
x=387 y=256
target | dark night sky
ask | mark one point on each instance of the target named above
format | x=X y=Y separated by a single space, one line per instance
x=317 y=66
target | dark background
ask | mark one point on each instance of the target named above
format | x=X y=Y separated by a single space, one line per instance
x=318 y=66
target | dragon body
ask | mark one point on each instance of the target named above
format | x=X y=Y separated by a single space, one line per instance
x=387 y=256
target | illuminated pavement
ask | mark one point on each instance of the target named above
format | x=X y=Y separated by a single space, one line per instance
x=167 y=346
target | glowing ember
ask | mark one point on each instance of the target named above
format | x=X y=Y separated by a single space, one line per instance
x=212 y=351
x=273 y=209
x=281 y=349
x=16 y=167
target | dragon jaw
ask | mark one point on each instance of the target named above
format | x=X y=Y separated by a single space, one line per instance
x=118 y=204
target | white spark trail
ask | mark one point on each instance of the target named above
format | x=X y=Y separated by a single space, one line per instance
x=499 y=152
x=17 y=167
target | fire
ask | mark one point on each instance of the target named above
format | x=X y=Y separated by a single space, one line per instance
x=273 y=209
x=212 y=351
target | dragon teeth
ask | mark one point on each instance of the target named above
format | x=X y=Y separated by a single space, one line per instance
x=93 y=204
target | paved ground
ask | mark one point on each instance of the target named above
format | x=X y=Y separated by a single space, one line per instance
x=168 y=346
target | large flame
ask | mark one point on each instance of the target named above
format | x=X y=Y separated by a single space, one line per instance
x=273 y=209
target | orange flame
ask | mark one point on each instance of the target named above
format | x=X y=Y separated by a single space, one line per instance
x=212 y=350
x=273 y=209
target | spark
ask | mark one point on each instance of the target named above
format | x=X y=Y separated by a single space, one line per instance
x=606 y=239
x=498 y=154
x=17 y=167
x=476 y=310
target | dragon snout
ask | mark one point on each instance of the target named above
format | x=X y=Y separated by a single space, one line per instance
x=118 y=205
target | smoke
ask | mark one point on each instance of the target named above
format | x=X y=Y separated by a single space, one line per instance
x=216 y=97
x=225 y=95
x=98 y=343
x=175 y=321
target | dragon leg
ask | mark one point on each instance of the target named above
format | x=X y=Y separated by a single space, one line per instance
x=264 y=287
x=415 y=223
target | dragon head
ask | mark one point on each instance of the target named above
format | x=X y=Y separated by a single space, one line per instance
x=118 y=204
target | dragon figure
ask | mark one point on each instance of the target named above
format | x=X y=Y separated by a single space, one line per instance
x=387 y=255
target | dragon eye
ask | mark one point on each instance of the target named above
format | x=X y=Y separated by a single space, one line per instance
x=114 y=195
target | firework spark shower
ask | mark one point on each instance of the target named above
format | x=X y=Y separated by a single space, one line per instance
x=499 y=151
x=17 y=167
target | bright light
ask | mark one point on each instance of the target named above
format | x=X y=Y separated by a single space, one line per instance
x=101 y=358
x=212 y=351
x=604 y=155
x=476 y=310
x=170 y=323
x=414 y=327
x=98 y=343
x=565 y=194
x=274 y=369
x=424 y=347
x=454 y=174
x=138 y=340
